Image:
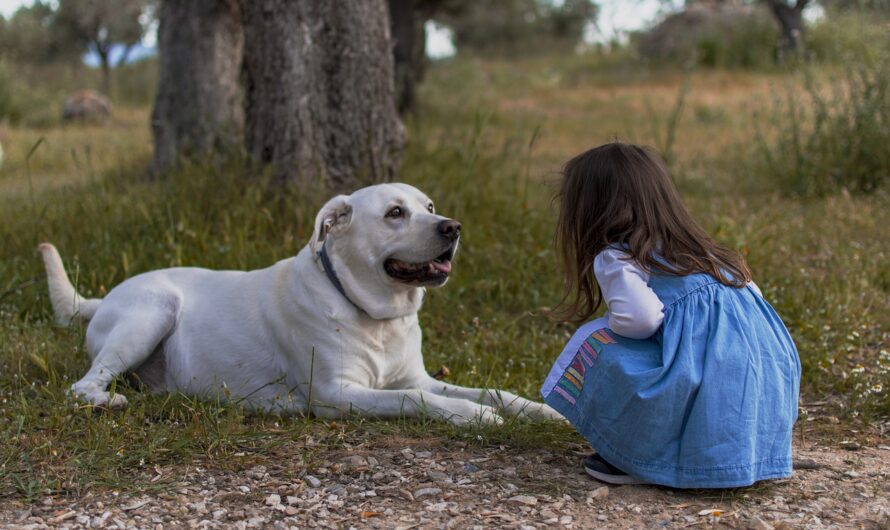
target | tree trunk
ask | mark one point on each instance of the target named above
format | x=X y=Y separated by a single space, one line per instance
x=791 y=20
x=105 y=65
x=319 y=91
x=198 y=108
x=408 y=18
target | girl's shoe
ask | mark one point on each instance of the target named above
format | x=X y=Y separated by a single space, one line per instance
x=597 y=467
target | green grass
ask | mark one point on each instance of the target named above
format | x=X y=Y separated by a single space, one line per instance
x=485 y=145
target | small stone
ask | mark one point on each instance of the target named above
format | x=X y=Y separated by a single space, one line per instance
x=243 y=489
x=312 y=481
x=852 y=474
x=423 y=492
x=373 y=461
x=292 y=500
x=527 y=500
x=756 y=523
x=356 y=461
x=273 y=500
x=471 y=468
x=599 y=493
x=291 y=510
x=602 y=517
x=566 y=520
x=438 y=476
x=423 y=454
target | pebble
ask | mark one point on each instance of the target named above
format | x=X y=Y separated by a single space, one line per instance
x=273 y=500
x=423 y=492
x=312 y=481
x=438 y=476
x=527 y=500
x=600 y=493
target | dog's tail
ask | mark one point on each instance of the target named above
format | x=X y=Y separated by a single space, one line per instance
x=68 y=305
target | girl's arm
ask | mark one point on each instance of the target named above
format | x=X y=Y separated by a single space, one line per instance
x=634 y=309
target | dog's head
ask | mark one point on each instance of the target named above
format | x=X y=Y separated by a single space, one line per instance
x=386 y=243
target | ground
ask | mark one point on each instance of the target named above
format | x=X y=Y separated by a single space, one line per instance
x=399 y=482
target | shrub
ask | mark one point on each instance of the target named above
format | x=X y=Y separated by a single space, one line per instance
x=21 y=104
x=832 y=139
x=852 y=35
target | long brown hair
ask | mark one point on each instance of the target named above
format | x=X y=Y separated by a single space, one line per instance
x=622 y=194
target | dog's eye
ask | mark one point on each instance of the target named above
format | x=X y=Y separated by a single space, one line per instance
x=430 y=208
x=394 y=212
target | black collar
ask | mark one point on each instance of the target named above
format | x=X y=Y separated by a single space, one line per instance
x=331 y=274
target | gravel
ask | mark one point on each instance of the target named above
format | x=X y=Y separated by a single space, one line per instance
x=430 y=484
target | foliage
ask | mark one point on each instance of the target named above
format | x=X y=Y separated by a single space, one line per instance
x=30 y=36
x=98 y=25
x=513 y=27
x=848 y=37
x=833 y=139
x=20 y=104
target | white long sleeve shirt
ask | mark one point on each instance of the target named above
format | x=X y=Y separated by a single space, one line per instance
x=634 y=310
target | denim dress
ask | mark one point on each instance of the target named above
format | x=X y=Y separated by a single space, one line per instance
x=709 y=401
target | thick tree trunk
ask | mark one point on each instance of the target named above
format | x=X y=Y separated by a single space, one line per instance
x=319 y=91
x=790 y=19
x=408 y=18
x=199 y=104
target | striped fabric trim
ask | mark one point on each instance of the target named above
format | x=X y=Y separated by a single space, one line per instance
x=571 y=383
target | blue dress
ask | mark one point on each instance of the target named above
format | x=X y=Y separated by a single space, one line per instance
x=709 y=401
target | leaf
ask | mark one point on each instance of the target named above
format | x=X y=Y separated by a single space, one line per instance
x=713 y=511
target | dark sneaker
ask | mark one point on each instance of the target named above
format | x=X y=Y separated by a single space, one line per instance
x=597 y=467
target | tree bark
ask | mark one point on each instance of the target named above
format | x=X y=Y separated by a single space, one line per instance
x=408 y=20
x=791 y=20
x=198 y=108
x=320 y=92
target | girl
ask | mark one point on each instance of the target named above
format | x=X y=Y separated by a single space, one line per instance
x=691 y=379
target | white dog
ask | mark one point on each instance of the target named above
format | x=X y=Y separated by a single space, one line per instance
x=333 y=330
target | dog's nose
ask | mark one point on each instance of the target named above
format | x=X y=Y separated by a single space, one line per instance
x=449 y=229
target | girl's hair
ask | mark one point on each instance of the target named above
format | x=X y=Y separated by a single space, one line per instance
x=622 y=194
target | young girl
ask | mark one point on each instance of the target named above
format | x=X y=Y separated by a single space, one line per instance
x=690 y=380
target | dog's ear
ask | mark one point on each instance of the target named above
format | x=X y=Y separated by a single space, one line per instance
x=333 y=217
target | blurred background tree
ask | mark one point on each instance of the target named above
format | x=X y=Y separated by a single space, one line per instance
x=100 y=25
x=514 y=27
x=31 y=36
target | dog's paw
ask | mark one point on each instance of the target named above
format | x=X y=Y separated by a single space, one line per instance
x=540 y=411
x=98 y=398
x=478 y=415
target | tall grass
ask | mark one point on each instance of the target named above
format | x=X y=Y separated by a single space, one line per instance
x=832 y=138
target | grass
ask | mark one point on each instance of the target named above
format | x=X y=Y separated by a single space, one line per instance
x=485 y=145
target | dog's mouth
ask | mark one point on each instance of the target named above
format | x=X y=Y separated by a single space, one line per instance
x=434 y=272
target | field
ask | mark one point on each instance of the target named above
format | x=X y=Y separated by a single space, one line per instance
x=486 y=144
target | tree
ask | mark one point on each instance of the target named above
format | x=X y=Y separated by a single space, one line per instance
x=319 y=95
x=514 y=27
x=29 y=36
x=408 y=20
x=99 y=25
x=790 y=18
x=198 y=108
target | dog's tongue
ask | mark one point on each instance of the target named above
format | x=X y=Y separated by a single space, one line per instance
x=442 y=266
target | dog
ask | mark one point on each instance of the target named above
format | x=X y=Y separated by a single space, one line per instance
x=331 y=332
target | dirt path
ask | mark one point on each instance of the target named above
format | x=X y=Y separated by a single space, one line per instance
x=404 y=483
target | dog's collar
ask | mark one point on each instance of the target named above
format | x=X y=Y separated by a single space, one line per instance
x=328 y=268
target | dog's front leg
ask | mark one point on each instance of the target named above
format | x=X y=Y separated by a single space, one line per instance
x=502 y=400
x=339 y=402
